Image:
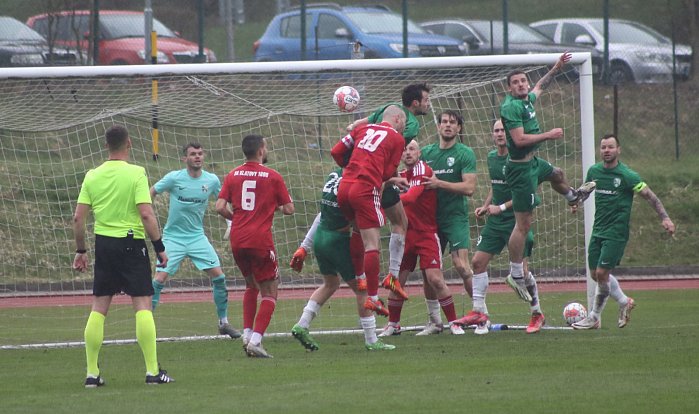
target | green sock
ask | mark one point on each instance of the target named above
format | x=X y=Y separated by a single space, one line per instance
x=157 y=287
x=220 y=296
x=94 y=334
x=145 y=335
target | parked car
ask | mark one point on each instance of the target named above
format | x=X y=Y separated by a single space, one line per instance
x=636 y=52
x=330 y=30
x=121 y=37
x=22 y=46
x=485 y=37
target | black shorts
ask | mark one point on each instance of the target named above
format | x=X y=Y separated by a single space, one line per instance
x=390 y=196
x=121 y=265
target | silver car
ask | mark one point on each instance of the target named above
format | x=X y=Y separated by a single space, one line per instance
x=636 y=52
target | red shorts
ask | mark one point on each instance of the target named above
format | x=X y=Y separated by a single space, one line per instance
x=361 y=203
x=422 y=245
x=259 y=263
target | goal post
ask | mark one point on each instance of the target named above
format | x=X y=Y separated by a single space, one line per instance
x=52 y=130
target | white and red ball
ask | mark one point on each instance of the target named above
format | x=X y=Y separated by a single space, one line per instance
x=574 y=312
x=346 y=98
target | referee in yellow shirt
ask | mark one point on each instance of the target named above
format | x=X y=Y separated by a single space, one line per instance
x=118 y=195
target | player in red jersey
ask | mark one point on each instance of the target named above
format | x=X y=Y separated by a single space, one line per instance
x=374 y=160
x=254 y=193
x=421 y=241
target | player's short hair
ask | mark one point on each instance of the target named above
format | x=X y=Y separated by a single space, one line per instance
x=413 y=92
x=116 y=137
x=452 y=114
x=513 y=73
x=606 y=136
x=252 y=144
x=189 y=145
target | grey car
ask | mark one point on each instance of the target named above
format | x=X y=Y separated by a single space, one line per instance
x=485 y=37
x=22 y=46
x=636 y=52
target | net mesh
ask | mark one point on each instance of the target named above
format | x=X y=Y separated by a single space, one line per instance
x=52 y=133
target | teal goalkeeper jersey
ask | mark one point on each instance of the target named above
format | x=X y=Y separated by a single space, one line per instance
x=449 y=165
x=516 y=113
x=331 y=218
x=189 y=199
x=613 y=199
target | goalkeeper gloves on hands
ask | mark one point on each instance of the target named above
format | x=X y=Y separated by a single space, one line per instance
x=297 y=259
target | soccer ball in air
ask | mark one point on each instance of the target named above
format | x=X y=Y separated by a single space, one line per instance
x=574 y=312
x=346 y=98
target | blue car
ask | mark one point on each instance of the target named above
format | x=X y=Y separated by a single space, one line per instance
x=331 y=31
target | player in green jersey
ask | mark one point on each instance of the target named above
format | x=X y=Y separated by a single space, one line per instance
x=329 y=237
x=454 y=166
x=616 y=186
x=117 y=194
x=415 y=100
x=523 y=138
x=494 y=237
x=190 y=189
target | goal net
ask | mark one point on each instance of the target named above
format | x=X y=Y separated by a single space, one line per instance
x=52 y=132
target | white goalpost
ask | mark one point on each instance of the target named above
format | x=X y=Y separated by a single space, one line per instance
x=52 y=127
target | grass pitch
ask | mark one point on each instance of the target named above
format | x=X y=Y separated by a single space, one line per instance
x=648 y=367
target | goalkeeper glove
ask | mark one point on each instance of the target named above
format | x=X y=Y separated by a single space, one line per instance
x=297 y=259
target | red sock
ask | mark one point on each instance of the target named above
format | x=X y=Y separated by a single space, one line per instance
x=249 y=307
x=395 y=306
x=357 y=253
x=267 y=306
x=371 y=268
x=447 y=305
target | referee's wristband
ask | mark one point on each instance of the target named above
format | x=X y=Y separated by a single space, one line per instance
x=158 y=245
x=81 y=251
x=503 y=207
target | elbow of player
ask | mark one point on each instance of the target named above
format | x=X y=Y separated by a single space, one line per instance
x=288 y=209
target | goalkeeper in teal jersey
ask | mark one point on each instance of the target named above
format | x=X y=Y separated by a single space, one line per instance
x=454 y=166
x=190 y=190
x=415 y=100
x=330 y=239
x=497 y=207
x=616 y=186
x=523 y=138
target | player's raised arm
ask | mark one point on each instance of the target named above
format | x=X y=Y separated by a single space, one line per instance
x=545 y=81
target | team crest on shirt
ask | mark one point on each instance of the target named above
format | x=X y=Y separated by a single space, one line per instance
x=204 y=188
x=617 y=182
x=450 y=161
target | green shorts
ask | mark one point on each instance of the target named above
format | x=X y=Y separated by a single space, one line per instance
x=605 y=253
x=457 y=233
x=495 y=238
x=523 y=179
x=332 y=250
x=390 y=196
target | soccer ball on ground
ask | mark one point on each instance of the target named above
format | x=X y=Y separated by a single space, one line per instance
x=574 y=312
x=346 y=98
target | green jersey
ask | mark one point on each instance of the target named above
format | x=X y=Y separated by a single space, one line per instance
x=412 y=126
x=613 y=199
x=113 y=191
x=501 y=191
x=449 y=165
x=516 y=113
x=331 y=218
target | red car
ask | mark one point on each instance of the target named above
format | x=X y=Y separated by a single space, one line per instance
x=122 y=40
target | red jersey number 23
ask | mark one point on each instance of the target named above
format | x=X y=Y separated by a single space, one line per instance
x=372 y=139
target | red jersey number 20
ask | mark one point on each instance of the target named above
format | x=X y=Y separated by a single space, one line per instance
x=372 y=139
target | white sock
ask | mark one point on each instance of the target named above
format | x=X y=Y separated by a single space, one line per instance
x=570 y=195
x=247 y=333
x=369 y=326
x=530 y=283
x=223 y=321
x=480 y=287
x=517 y=273
x=615 y=291
x=601 y=296
x=434 y=310
x=310 y=311
x=256 y=338
x=396 y=246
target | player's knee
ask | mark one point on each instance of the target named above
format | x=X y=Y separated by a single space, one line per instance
x=331 y=283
